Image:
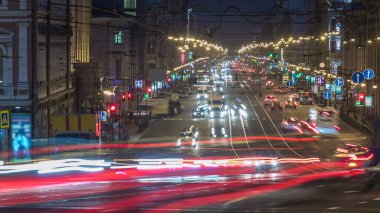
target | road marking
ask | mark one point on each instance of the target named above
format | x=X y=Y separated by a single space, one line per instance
x=320 y=186
x=334 y=208
x=350 y=192
x=377 y=199
x=363 y=202
x=172 y=119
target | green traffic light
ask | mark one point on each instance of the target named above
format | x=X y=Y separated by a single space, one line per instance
x=146 y=95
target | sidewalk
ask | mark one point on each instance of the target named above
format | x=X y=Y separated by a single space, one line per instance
x=358 y=122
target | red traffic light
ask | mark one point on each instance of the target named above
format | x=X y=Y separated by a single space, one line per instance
x=361 y=96
x=129 y=96
x=123 y=97
x=113 y=108
x=149 y=90
x=169 y=80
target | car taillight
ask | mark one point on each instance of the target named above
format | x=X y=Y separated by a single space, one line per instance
x=352 y=164
x=266 y=99
x=336 y=127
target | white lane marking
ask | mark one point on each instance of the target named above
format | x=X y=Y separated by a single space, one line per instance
x=350 y=192
x=377 y=199
x=245 y=134
x=320 y=186
x=229 y=122
x=334 y=208
x=363 y=202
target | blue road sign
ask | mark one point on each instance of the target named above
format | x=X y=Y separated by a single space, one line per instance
x=103 y=115
x=357 y=77
x=289 y=83
x=339 y=82
x=327 y=94
x=368 y=73
x=138 y=84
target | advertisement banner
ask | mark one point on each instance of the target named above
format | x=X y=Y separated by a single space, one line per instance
x=21 y=130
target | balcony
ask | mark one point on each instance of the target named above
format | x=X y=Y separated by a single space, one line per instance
x=56 y=86
x=14 y=92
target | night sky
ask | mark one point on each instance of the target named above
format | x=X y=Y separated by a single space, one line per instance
x=235 y=30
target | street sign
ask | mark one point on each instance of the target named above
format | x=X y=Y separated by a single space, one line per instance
x=357 y=77
x=138 y=83
x=4 y=122
x=289 y=83
x=103 y=115
x=339 y=82
x=327 y=94
x=368 y=101
x=368 y=74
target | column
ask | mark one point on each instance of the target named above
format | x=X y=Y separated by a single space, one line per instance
x=23 y=52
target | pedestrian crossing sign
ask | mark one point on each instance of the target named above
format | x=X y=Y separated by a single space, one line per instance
x=4 y=122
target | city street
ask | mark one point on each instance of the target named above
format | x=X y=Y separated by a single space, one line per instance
x=189 y=106
x=220 y=174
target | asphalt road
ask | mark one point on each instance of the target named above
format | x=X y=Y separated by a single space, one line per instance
x=218 y=175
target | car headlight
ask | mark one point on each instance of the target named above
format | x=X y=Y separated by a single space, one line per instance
x=273 y=162
x=212 y=114
x=206 y=96
x=201 y=113
x=194 y=113
x=198 y=96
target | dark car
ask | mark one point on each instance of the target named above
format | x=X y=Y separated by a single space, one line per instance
x=199 y=112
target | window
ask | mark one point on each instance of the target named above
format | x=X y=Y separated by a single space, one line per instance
x=118 y=69
x=130 y=7
x=151 y=47
x=118 y=37
x=3 y=5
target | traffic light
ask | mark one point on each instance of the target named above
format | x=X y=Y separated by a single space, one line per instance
x=112 y=108
x=129 y=96
x=149 y=91
x=169 y=80
x=361 y=97
x=123 y=97
x=360 y=101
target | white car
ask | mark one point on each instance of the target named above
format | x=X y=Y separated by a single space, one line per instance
x=269 y=100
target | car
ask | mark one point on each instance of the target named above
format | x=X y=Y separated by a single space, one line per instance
x=308 y=128
x=199 y=111
x=269 y=100
x=290 y=103
x=238 y=109
x=217 y=112
x=188 y=137
x=218 y=131
x=291 y=125
x=269 y=85
x=277 y=105
x=306 y=100
x=354 y=155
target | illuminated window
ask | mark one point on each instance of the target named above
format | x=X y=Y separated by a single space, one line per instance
x=118 y=37
x=130 y=7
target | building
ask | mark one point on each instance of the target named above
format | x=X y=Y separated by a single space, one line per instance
x=40 y=42
x=113 y=45
x=16 y=67
x=360 y=50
